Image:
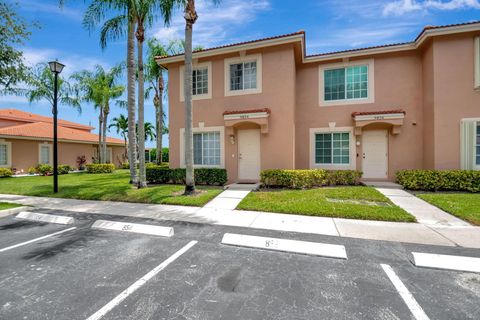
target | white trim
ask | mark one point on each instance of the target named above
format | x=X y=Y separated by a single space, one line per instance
x=242 y=59
x=202 y=65
x=380 y=116
x=371 y=83
x=468 y=143
x=50 y=151
x=352 y=165
x=477 y=62
x=9 y=154
x=200 y=130
x=59 y=140
x=251 y=115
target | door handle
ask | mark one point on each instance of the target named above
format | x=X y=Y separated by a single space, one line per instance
x=364 y=155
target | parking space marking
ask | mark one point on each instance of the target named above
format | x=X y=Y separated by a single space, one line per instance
x=448 y=262
x=42 y=217
x=134 y=227
x=286 y=245
x=37 y=239
x=410 y=301
x=140 y=282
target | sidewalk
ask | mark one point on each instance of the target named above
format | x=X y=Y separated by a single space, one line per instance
x=466 y=236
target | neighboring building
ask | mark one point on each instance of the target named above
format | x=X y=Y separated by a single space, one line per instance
x=266 y=104
x=26 y=141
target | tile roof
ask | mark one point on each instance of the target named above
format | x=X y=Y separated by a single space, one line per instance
x=45 y=130
x=369 y=113
x=18 y=115
x=247 y=111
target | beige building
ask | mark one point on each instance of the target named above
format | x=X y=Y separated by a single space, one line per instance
x=26 y=141
x=266 y=104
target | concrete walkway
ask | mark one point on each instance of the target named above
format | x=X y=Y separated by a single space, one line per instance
x=466 y=236
x=231 y=197
x=424 y=212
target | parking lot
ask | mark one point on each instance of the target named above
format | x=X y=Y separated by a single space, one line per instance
x=54 y=271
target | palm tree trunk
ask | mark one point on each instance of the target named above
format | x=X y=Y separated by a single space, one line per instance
x=106 y=111
x=141 y=97
x=100 y=126
x=159 y=116
x=132 y=154
x=190 y=18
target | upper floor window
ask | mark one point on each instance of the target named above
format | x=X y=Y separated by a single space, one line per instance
x=346 y=83
x=477 y=62
x=5 y=154
x=201 y=81
x=243 y=75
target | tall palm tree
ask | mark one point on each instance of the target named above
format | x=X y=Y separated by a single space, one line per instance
x=40 y=87
x=100 y=87
x=120 y=124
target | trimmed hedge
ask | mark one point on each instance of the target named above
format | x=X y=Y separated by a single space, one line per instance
x=45 y=169
x=5 y=172
x=308 y=178
x=208 y=176
x=64 y=169
x=439 y=180
x=100 y=167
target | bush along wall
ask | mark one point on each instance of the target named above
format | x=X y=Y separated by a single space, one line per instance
x=100 y=168
x=5 y=172
x=439 y=180
x=206 y=176
x=308 y=178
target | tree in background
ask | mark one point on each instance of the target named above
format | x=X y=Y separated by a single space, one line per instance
x=120 y=124
x=100 y=87
x=13 y=33
x=40 y=82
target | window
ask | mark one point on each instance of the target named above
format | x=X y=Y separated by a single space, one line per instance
x=3 y=154
x=200 y=81
x=477 y=161
x=346 y=83
x=477 y=62
x=243 y=76
x=332 y=148
x=206 y=148
x=44 y=154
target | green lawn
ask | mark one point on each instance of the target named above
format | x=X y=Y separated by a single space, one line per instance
x=313 y=202
x=463 y=205
x=7 y=205
x=112 y=187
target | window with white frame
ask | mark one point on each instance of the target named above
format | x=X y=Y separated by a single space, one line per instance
x=346 y=83
x=477 y=145
x=477 y=62
x=4 y=152
x=200 y=81
x=44 y=154
x=206 y=148
x=332 y=148
x=243 y=76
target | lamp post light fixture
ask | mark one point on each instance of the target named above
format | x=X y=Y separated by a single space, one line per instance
x=56 y=67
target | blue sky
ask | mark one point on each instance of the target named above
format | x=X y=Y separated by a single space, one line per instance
x=330 y=25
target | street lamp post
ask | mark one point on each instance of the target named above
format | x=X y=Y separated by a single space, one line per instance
x=56 y=67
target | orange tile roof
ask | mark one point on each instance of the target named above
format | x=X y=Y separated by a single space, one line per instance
x=247 y=111
x=45 y=130
x=18 y=115
x=369 y=113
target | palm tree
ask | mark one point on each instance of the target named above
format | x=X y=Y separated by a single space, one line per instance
x=120 y=123
x=40 y=87
x=100 y=87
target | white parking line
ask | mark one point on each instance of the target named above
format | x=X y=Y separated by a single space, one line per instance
x=140 y=282
x=42 y=217
x=134 y=227
x=441 y=261
x=296 y=246
x=410 y=301
x=36 y=239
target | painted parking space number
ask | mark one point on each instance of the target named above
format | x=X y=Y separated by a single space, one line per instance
x=271 y=243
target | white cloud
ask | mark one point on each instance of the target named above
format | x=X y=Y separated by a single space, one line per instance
x=51 y=9
x=398 y=8
x=214 y=23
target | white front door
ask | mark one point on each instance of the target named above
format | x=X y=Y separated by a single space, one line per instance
x=249 y=155
x=375 y=154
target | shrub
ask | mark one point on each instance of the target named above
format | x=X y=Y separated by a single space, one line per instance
x=343 y=177
x=165 y=155
x=32 y=170
x=100 y=168
x=125 y=165
x=44 y=169
x=64 y=169
x=5 y=172
x=208 y=176
x=436 y=180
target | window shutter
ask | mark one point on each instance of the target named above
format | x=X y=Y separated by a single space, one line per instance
x=467 y=141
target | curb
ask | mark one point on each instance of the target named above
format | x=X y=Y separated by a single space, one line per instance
x=9 y=212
